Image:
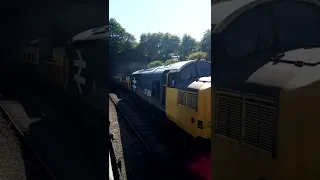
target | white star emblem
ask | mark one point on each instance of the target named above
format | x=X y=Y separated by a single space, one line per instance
x=134 y=84
x=81 y=64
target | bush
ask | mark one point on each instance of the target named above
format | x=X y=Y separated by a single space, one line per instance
x=196 y=55
x=155 y=64
x=171 y=61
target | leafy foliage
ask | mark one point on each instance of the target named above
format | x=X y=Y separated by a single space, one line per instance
x=198 y=55
x=188 y=45
x=159 y=46
x=155 y=64
x=154 y=49
x=171 y=61
x=120 y=40
x=205 y=43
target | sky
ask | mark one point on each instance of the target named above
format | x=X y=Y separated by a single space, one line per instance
x=177 y=17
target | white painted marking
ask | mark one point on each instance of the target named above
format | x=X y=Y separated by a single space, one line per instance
x=147 y=92
x=81 y=64
x=134 y=84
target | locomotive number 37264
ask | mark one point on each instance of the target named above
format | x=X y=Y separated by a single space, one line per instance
x=147 y=92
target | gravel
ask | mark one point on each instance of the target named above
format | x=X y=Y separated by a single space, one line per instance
x=11 y=159
x=115 y=131
x=135 y=160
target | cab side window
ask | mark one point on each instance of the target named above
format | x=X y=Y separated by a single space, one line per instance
x=171 y=81
x=188 y=72
x=203 y=69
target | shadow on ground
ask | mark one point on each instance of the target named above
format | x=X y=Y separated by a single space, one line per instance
x=69 y=141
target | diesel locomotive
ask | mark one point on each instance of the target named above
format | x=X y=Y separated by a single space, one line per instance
x=182 y=90
x=77 y=67
x=266 y=96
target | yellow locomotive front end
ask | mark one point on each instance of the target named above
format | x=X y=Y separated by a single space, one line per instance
x=267 y=78
x=191 y=110
x=188 y=103
x=275 y=135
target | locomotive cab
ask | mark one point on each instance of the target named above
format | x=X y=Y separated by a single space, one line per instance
x=272 y=136
x=267 y=83
x=188 y=98
x=36 y=56
x=182 y=90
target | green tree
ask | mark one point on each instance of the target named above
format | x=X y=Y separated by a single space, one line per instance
x=188 y=45
x=155 y=64
x=120 y=40
x=169 y=46
x=205 y=43
x=150 y=44
x=122 y=48
x=197 y=55
x=171 y=61
x=159 y=46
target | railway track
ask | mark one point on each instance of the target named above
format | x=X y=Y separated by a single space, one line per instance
x=165 y=158
x=14 y=115
x=127 y=118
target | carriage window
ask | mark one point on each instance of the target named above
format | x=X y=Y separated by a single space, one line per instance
x=203 y=69
x=188 y=72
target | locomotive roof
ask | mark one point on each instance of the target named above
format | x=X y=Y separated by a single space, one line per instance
x=160 y=69
x=48 y=42
x=101 y=32
x=221 y=11
x=293 y=69
x=41 y=40
x=222 y=14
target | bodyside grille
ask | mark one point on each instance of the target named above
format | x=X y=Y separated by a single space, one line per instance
x=250 y=120
x=229 y=114
x=259 y=122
